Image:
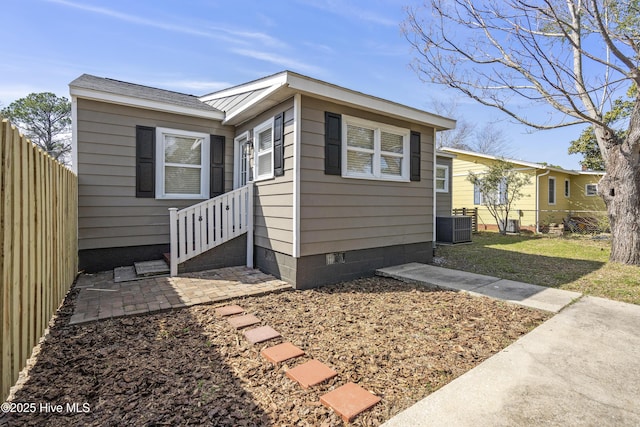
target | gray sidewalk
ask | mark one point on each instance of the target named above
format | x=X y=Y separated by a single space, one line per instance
x=533 y=296
x=580 y=368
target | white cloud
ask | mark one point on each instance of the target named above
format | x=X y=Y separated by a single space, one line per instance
x=286 y=62
x=225 y=34
x=349 y=11
x=13 y=92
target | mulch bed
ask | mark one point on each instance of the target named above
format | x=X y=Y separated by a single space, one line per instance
x=399 y=341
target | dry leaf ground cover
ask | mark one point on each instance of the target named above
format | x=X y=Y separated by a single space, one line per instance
x=190 y=367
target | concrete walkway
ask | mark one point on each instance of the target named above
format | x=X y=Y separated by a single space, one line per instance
x=101 y=298
x=540 y=297
x=580 y=368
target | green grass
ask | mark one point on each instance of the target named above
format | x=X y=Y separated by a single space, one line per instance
x=577 y=263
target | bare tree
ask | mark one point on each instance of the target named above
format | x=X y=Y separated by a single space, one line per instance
x=490 y=139
x=574 y=56
x=460 y=135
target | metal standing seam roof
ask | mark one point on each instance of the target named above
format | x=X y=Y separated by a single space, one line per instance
x=117 y=87
x=228 y=103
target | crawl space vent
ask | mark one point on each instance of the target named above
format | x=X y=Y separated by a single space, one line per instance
x=335 y=258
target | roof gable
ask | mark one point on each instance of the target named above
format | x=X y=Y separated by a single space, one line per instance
x=241 y=102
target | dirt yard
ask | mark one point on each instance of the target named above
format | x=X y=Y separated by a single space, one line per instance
x=190 y=367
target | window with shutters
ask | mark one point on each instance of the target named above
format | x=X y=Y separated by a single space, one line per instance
x=263 y=150
x=373 y=150
x=182 y=171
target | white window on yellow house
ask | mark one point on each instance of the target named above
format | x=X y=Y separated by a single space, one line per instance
x=567 y=188
x=552 y=190
x=591 y=190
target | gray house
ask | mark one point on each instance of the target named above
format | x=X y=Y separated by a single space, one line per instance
x=443 y=183
x=306 y=180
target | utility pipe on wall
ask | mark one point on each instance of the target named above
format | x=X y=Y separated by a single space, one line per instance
x=538 y=200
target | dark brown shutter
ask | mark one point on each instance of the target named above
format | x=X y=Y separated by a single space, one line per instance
x=216 y=175
x=414 y=160
x=332 y=143
x=145 y=161
x=278 y=145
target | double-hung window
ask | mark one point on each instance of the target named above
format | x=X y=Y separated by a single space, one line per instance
x=591 y=190
x=183 y=171
x=374 y=151
x=498 y=197
x=442 y=179
x=552 y=190
x=263 y=150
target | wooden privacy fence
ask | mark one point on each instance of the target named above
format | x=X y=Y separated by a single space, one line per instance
x=472 y=212
x=38 y=246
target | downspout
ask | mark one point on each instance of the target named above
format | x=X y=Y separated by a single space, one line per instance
x=297 y=142
x=538 y=200
x=433 y=184
x=74 y=134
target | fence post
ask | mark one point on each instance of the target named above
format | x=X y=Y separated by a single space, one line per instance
x=173 y=241
x=250 y=225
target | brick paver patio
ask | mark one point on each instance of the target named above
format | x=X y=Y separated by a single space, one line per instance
x=101 y=298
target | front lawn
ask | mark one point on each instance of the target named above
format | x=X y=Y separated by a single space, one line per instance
x=576 y=263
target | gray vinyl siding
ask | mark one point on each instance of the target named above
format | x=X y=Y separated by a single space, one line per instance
x=343 y=214
x=273 y=208
x=443 y=200
x=109 y=214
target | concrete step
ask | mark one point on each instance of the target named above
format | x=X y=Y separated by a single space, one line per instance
x=151 y=268
x=140 y=271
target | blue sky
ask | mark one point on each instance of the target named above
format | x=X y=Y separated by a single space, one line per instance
x=200 y=46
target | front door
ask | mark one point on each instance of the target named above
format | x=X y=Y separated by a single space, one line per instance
x=242 y=165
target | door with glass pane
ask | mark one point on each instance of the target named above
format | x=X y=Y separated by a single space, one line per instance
x=242 y=162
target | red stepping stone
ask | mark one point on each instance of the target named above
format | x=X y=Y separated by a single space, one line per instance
x=240 y=322
x=229 y=310
x=261 y=334
x=349 y=400
x=281 y=352
x=311 y=373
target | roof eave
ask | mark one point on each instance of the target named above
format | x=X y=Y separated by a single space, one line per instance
x=341 y=95
x=297 y=83
x=131 y=101
x=514 y=161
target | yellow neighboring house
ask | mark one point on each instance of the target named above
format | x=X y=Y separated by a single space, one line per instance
x=553 y=195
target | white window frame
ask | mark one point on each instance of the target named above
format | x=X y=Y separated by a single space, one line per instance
x=237 y=163
x=567 y=188
x=257 y=153
x=587 y=193
x=377 y=128
x=445 y=179
x=160 y=163
x=555 y=191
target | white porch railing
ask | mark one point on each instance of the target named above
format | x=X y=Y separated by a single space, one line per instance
x=203 y=226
